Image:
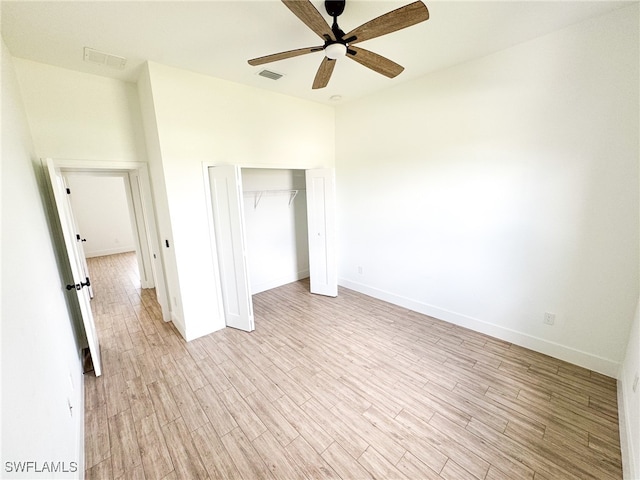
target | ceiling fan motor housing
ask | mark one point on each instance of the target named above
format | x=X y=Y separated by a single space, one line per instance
x=334 y=7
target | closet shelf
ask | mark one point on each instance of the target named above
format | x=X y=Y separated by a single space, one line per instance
x=258 y=194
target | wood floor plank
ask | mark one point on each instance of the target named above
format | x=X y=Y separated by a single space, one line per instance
x=214 y=455
x=163 y=402
x=215 y=410
x=246 y=459
x=97 y=446
x=189 y=407
x=278 y=426
x=237 y=378
x=156 y=460
x=462 y=455
x=378 y=466
x=425 y=452
x=139 y=399
x=101 y=471
x=412 y=467
x=309 y=461
x=125 y=451
x=486 y=451
x=184 y=455
x=348 y=438
x=304 y=424
x=378 y=439
x=275 y=457
x=214 y=375
x=344 y=464
x=242 y=413
x=94 y=396
x=116 y=394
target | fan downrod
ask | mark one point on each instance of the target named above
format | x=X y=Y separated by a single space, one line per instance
x=334 y=9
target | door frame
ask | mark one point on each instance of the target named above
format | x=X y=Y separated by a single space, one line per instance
x=142 y=214
x=212 y=232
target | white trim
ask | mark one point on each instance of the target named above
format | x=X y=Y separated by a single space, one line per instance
x=80 y=453
x=561 y=352
x=90 y=165
x=629 y=468
x=179 y=324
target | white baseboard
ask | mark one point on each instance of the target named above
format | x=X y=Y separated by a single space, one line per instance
x=81 y=412
x=561 y=352
x=110 y=251
x=630 y=453
x=179 y=324
x=277 y=282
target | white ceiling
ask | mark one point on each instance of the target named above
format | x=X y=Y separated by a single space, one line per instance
x=217 y=38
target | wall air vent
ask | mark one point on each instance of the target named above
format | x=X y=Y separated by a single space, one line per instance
x=106 y=59
x=270 y=74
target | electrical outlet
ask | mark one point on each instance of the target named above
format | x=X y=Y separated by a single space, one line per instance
x=359 y=270
x=549 y=318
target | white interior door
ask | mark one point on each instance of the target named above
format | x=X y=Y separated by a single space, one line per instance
x=228 y=218
x=79 y=240
x=80 y=280
x=321 y=224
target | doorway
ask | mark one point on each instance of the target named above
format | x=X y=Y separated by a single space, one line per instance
x=140 y=206
x=105 y=217
x=229 y=232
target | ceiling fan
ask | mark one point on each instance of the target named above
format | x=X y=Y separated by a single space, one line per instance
x=337 y=43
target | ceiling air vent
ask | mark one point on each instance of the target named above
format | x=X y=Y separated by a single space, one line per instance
x=101 y=58
x=270 y=74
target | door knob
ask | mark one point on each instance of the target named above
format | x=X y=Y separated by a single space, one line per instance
x=78 y=286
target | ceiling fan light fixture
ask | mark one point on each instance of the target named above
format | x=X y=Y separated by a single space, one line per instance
x=335 y=50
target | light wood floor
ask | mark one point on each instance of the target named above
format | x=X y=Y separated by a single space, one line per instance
x=349 y=388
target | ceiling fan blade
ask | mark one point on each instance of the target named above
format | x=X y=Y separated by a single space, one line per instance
x=375 y=62
x=282 y=55
x=398 y=19
x=305 y=11
x=324 y=73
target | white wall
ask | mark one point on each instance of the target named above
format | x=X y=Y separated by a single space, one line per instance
x=503 y=188
x=201 y=120
x=79 y=116
x=101 y=212
x=85 y=117
x=41 y=369
x=275 y=227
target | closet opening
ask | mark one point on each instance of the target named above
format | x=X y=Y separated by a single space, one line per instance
x=275 y=214
x=271 y=227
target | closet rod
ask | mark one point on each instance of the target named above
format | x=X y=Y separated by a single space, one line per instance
x=259 y=193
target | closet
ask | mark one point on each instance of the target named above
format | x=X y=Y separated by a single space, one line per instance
x=275 y=217
x=271 y=227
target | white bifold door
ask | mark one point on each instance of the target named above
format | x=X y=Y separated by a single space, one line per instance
x=228 y=223
x=79 y=283
x=228 y=216
x=321 y=202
